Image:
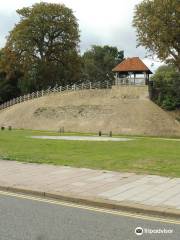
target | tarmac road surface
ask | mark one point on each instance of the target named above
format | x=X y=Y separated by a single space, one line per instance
x=31 y=218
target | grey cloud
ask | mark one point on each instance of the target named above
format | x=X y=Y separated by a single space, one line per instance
x=122 y=38
x=6 y=24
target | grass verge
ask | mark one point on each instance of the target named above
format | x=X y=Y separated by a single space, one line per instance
x=142 y=155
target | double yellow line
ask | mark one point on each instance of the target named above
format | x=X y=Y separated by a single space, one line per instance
x=89 y=208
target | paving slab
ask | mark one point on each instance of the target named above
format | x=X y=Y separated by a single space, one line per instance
x=116 y=189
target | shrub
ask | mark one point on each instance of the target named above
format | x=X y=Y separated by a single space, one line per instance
x=165 y=90
x=169 y=103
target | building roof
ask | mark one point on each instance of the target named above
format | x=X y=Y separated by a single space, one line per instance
x=134 y=64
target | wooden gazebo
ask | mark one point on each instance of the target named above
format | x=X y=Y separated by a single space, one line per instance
x=131 y=71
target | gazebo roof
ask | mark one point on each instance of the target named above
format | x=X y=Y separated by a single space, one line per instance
x=134 y=64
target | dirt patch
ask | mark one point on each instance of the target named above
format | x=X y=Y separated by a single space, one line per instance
x=83 y=111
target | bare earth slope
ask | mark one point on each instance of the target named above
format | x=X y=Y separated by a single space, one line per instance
x=124 y=109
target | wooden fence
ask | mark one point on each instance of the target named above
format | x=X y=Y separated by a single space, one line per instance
x=56 y=89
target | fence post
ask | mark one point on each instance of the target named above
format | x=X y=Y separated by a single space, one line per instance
x=67 y=87
x=90 y=86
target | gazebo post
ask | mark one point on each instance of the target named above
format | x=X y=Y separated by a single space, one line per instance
x=116 y=79
x=147 y=79
x=134 y=78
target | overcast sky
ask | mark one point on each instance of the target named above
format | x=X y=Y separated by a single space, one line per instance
x=100 y=21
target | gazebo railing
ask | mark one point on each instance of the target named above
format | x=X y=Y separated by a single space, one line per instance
x=130 y=81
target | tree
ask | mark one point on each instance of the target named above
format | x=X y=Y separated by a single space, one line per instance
x=9 y=76
x=158 y=28
x=99 y=61
x=166 y=87
x=8 y=87
x=45 y=43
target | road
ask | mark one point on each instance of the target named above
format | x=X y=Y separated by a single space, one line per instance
x=31 y=218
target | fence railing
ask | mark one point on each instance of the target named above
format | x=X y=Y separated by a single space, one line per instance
x=56 y=89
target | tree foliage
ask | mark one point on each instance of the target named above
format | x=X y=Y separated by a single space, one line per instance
x=9 y=76
x=158 y=28
x=166 y=87
x=45 y=43
x=99 y=61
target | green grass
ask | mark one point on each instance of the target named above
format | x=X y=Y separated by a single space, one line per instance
x=142 y=155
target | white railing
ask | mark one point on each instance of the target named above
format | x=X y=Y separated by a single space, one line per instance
x=56 y=89
x=130 y=81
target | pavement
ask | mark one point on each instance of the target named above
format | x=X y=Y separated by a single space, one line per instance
x=148 y=194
